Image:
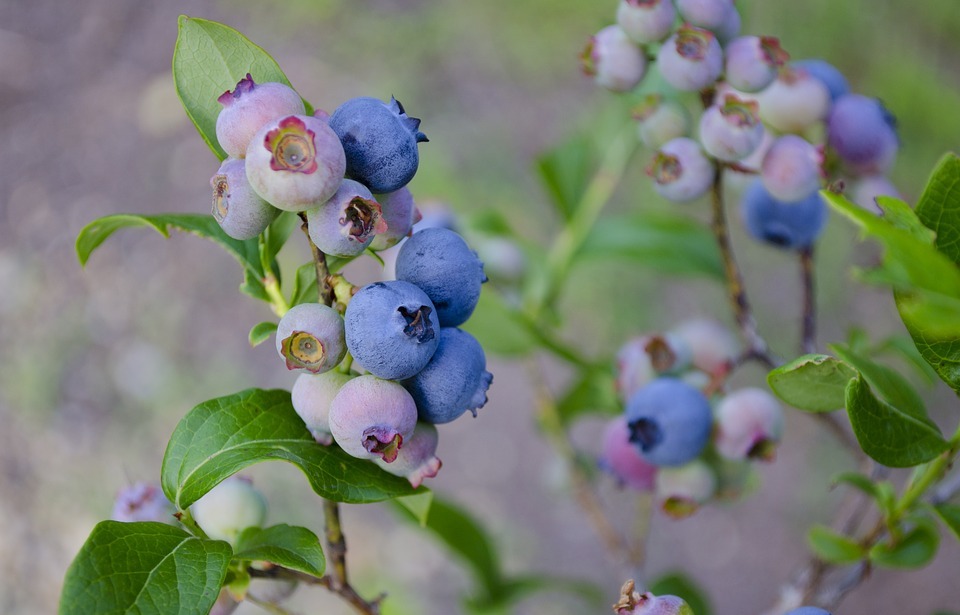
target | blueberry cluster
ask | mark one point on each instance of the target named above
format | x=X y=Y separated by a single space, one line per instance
x=682 y=436
x=346 y=172
x=792 y=125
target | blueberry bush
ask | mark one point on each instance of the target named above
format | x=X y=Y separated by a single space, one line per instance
x=726 y=120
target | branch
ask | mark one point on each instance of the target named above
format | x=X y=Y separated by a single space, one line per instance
x=808 y=344
x=324 y=290
x=331 y=582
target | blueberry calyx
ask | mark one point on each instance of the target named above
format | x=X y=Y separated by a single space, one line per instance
x=363 y=218
x=302 y=350
x=292 y=146
x=382 y=441
x=646 y=433
x=221 y=194
x=693 y=43
x=662 y=356
x=410 y=123
x=244 y=86
x=418 y=323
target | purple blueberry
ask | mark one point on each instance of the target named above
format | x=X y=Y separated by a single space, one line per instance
x=248 y=108
x=310 y=336
x=752 y=62
x=863 y=133
x=371 y=418
x=391 y=329
x=794 y=101
x=792 y=168
x=417 y=459
x=691 y=59
x=400 y=213
x=613 y=60
x=641 y=359
x=713 y=346
x=808 y=610
x=660 y=119
x=295 y=162
x=441 y=263
x=867 y=189
x=749 y=423
x=380 y=142
x=710 y=14
x=790 y=226
x=239 y=211
x=682 y=490
x=646 y=21
x=348 y=223
x=670 y=422
x=827 y=74
x=622 y=460
x=454 y=381
x=142 y=502
x=680 y=171
x=732 y=130
x=730 y=28
x=311 y=396
x=634 y=603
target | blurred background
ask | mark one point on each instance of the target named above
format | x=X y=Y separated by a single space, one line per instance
x=97 y=365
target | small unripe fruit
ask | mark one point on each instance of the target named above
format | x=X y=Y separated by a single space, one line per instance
x=311 y=396
x=669 y=421
x=730 y=28
x=348 y=223
x=248 y=108
x=400 y=213
x=714 y=347
x=867 y=189
x=790 y=226
x=827 y=74
x=310 y=336
x=680 y=171
x=749 y=423
x=641 y=359
x=691 y=59
x=295 y=162
x=371 y=418
x=239 y=211
x=794 y=101
x=613 y=60
x=417 y=459
x=863 y=133
x=142 y=502
x=646 y=21
x=709 y=14
x=732 y=130
x=660 y=120
x=792 y=168
x=682 y=490
x=622 y=460
x=632 y=602
x=752 y=62
x=229 y=508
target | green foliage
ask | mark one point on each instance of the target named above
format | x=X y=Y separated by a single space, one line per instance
x=881 y=492
x=591 y=392
x=912 y=550
x=147 y=568
x=565 y=172
x=950 y=515
x=261 y=332
x=285 y=545
x=939 y=206
x=222 y=436
x=498 y=327
x=679 y=584
x=833 y=547
x=813 y=382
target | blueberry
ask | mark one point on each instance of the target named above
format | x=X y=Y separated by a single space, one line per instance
x=732 y=130
x=613 y=60
x=683 y=489
x=807 y=610
x=310 y=336
x=391 y=329
x=790 y=226
x=417 y=459
x=669 y=421
x=691 y=59
x=247 y=108
x=863 y=133
x=792 y=168
x=622 y=459
x=239 y=211
x=752 y=62
x=646 y=21
x=713 y=346
x=372 y=418
x=295 y=162
x=441 y=263
x=866 y=190
x=827 y=74
x=311 y=396
x=229 y=508
x=680 y=171
x=634 y=603
x=749 y=423
x=660 y=120
x=730 y=28
x=380 y=142
x=348 y=223
x=142 y=502
x=641 y=359
x=794 y=101
x=400 y=213
x=454 y=381
x=711 y=14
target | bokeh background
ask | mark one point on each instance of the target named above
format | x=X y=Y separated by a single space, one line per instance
x=98 y=365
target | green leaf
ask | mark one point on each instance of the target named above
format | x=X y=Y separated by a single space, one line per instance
x=261 y=332
x=499 y=328
x=833 y=547
x=939 y=206
x=941 y=352
x=517 y=588
x=222 y=436
x=888 y=434
x=417 y=505
x=950 y=515
x=565 y=172
x=936 y=315
x=899 y=214
x=304 y=285
x=861 y=482
x=891 y=386
x=285 y=545
x=665 y=243
x=678 y=584
x=905 y=348
x=813 y=382
x=279 y=232
x=144 y=568
x=593 y=392
x=915 y=549
x=209 y=59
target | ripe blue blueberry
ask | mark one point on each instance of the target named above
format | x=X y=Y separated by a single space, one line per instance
x=310 y=336
x=441 y=263
x=613 y=60
x=790 y=226
x=659 y=120
x=380 y=142
x=752 y=62
x=791 y=169
x=400 y=213
x=454 y=381
x=680 y=171
x=311 y=397
x=372 y=418
x=417 y=459
x=248 y=107
x=827 y=74
x=239 y=211
x=622 y=460
x=691 y=59
x=348 y=223
x=669 y=421
x=732 y=130
x=646 y=21
x=863 y=133
x=794 y=101
x=391 y=329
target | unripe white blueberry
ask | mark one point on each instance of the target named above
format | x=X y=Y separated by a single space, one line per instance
x=867 y=189
x=710 y=14
x=680 y=171
x=732 y=130
x=730 y=28
x=346 y=224
x=643 y=358
x=681 y=490
x=237 y=208
x=417 y=459
x=749 y=423
x=310 y=336
x=311 y=396
x=752 y=62
x=691 y=59
x=248 y=107
x=229 y=508
x=646 y=21
x=613 y=60
x=714 y=346
x=794 y=101
x=791 y=170
x=659 y=120
x=400 y=213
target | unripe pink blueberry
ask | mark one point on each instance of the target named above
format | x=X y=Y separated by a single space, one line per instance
x=681 y=490
x=622 y=460
x=142 y=502
x=714 y=346
x=248 y=107
x=417 y=459
x=866 y=190
x=748 y=423
x=613 y=60
x=862 y=132
x=346 y=224
x=311 y=396
x=239 y=211
x=643 y=358
x=792 y=169
x=646 y=21
x=732 y=130
x=794 y=101
x=680 y=171
x=400 y=213
x=752 y=62
x=691 y=59
x=634 y=603
x=229 y=508
x=372 y=418
x=660 y=119
x=295 y=162
x=710 y=14
x=310 y=336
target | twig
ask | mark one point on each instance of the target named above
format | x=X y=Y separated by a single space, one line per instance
x=324 y=290
x=808 y=344
x=330 y=581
